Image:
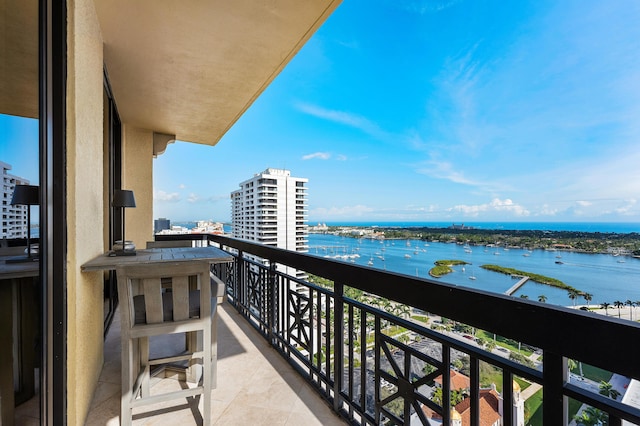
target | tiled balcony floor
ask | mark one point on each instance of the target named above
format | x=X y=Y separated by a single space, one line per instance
x=255 y=385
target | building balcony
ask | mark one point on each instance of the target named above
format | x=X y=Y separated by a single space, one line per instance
x=375 y=344
x=255 y=385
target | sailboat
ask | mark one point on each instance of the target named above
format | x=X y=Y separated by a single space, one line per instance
x=472 y=277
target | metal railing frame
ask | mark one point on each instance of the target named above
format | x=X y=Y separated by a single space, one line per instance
x=265 y=297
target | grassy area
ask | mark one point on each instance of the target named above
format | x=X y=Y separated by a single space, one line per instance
x=533 y=406
x=443 y=267
x=593 y=373
x=420 y=318
x=523 y=383
x=574 y=406
x=501 y=341
x=553 y=282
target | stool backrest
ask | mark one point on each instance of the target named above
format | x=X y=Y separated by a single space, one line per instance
x=163 y=292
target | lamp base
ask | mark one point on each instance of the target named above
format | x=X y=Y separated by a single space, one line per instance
x=122 y=253
x=23 y=259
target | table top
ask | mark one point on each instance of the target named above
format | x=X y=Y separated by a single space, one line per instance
x=17 y=270
x=168 y=254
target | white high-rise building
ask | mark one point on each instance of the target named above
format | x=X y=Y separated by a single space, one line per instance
x=271 y=209
x=14 y=218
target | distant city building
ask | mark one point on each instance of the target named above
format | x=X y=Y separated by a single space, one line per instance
x=319 y=228
x=271 y=208
x=202 y=227
x=161 y=224
x=14 y=218
x=491 y=405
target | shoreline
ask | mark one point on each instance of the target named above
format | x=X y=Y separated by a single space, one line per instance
x=615 y=244
x=625 y=312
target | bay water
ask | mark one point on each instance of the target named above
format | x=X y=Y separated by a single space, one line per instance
x=607 y=277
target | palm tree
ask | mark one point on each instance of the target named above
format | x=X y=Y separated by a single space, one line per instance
x=588 y=297
x=618 y=304
x=571 y=365
x=631 y=304
x=542 y=298
x=589 y=417
x=573 y=295
x=605 y=306
x=524 y=296
x=607 y=390
x=491 y=345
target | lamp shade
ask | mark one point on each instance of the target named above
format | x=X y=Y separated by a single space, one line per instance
x=123 y=198
x=26 y=195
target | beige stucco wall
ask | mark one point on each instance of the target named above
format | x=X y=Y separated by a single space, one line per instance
x=85 y=217
x=137 y=170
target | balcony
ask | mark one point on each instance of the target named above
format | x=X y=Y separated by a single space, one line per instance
x=320 y=331
x=255 y=385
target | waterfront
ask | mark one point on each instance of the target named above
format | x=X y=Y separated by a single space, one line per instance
x=608 y=278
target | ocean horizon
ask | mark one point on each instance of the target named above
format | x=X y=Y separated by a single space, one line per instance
x=604 y=227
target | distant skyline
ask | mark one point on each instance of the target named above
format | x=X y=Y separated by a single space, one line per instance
x=453 y=111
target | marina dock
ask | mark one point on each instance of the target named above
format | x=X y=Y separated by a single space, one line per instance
x=516 y=286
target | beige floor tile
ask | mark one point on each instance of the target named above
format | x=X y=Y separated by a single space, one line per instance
x=255 y=385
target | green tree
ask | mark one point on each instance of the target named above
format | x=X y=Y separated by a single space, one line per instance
x=630 y=303
x=606 y=389
x=524 y=296
x=542 y=298
x=573 y=295
x=491 y=345
x=588 y=297
x=590 y=417
x=605 y=306
x=456 y=396
x=618 y=304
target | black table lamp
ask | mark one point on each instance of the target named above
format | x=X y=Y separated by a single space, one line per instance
x=26 y=195
x=123 y=198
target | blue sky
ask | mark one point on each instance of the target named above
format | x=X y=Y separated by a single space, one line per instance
x=440 y=111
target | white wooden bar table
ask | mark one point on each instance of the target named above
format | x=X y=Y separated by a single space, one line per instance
x=105 y=262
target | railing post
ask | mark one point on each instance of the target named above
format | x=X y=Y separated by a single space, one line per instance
x=240 y=287
x=272 y=291
x=338 y=348
x=554 y=374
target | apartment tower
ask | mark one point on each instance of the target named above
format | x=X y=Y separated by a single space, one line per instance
x=271 y=209
x=14 y=218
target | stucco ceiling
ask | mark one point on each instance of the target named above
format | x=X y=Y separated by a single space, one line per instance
x=19 y=58
x=192 y=67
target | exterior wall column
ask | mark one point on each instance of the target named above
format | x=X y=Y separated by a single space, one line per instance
x=137 y=171
x=85 y=214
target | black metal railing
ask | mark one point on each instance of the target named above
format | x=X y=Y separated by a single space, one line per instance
x=376 y=367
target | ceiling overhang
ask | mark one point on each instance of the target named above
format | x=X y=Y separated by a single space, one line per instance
x=192 y=68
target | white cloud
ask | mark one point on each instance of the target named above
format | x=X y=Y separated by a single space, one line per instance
x=182 y=186
x=583 y=203
x=341 y=157
x=341 y=212
x=627 y=208
x=342 y=117
x=317 y=155
x=424 y=7
x=496 y=205
x=446 y=171
x=162 y=196
x=547 y=211
x=193 y=198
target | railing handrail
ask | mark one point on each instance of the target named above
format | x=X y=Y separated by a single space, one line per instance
x=591 y=338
